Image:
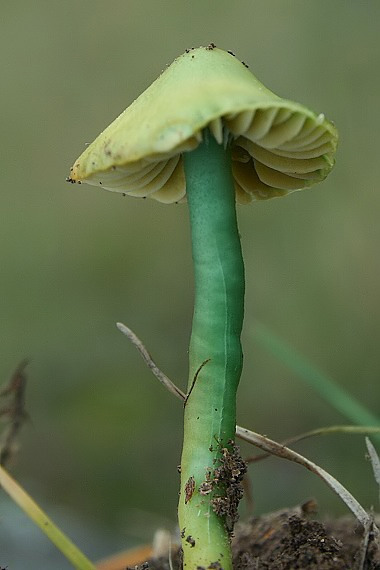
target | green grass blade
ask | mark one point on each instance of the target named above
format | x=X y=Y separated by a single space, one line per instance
x=325 y=386
x=36 y=514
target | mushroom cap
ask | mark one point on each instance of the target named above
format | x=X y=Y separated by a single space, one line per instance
x=278 y=146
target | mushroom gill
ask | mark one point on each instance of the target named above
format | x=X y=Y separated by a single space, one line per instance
x=275 y=151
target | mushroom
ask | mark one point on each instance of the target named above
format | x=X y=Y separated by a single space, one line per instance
x=209 y=133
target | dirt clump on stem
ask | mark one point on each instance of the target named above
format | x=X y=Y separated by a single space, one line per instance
x=225 y=484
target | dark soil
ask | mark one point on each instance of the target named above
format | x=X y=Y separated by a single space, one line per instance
x=293 y=539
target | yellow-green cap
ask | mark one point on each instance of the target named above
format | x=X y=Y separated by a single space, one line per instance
x=277 y=146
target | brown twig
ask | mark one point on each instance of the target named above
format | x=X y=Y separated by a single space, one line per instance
x=14 y=412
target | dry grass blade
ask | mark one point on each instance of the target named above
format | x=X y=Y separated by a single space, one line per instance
x=375 y=461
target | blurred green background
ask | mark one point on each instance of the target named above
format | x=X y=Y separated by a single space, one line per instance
x=101 y=449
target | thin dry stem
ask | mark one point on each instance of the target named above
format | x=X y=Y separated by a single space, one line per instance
x=352 y=430
x=165 y=381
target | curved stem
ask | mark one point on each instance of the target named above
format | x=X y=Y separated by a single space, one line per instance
x=215 y=359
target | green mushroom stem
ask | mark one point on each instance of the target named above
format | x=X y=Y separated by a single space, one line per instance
x=215 y=359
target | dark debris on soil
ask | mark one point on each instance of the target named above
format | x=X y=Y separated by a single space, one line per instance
x=292 y=540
